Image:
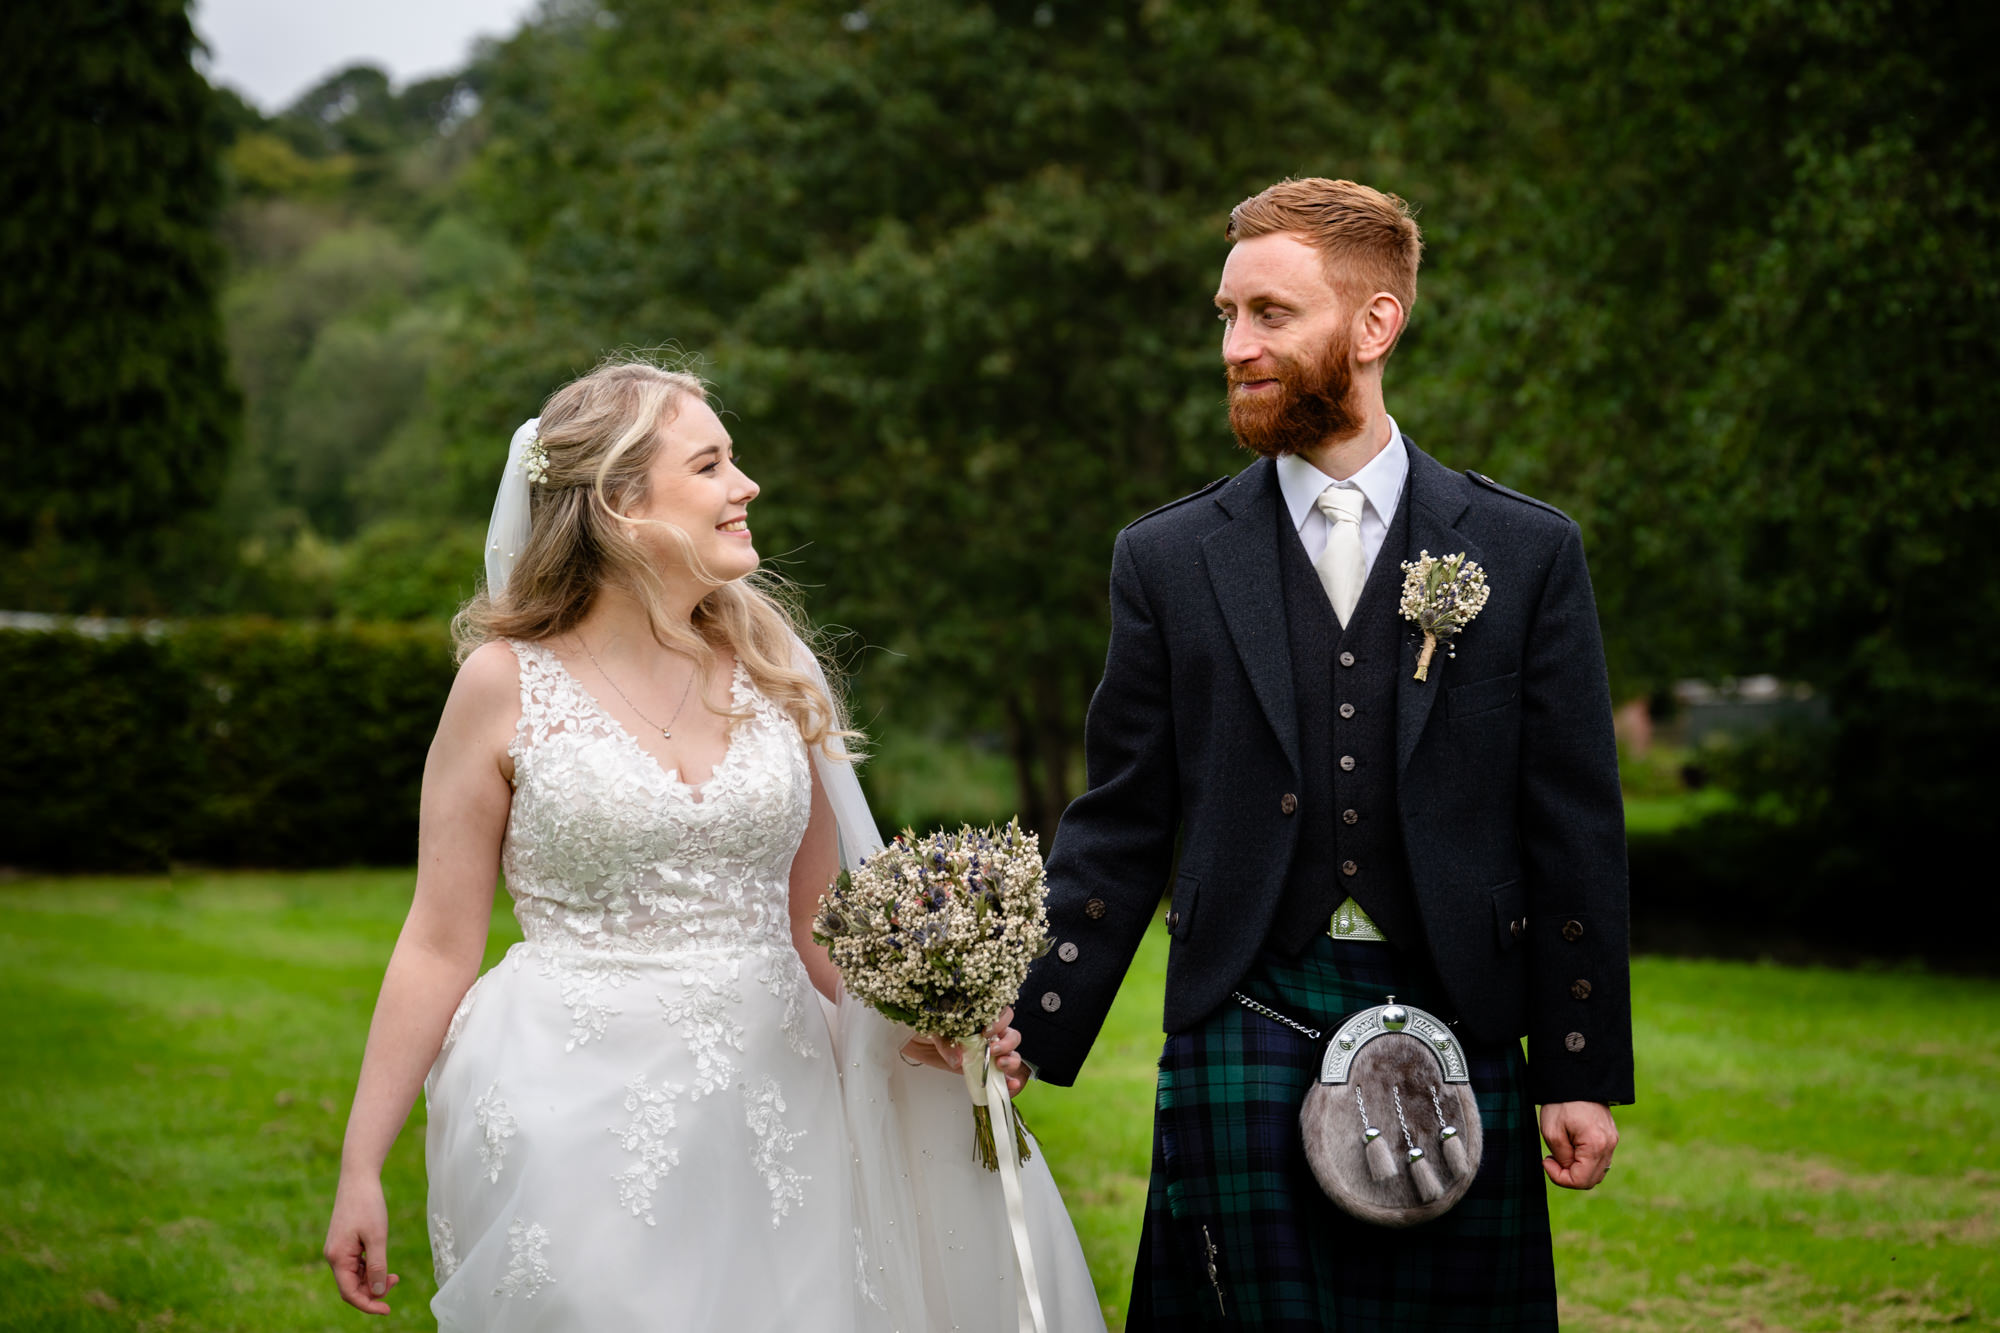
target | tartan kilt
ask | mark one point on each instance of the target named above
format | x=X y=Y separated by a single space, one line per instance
x=1237 y=1231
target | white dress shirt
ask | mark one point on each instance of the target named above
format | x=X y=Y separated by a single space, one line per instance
x=1380 y=482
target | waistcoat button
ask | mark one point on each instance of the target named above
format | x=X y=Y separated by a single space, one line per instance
x=1347 y=659
x=1572 y=931
x=1067 y=951
x=1349 y=868
x=1573 y=1042
x=1347 y=763
x=1347 y=710
x=1579 y=989
x=1094 y=909
x=1288 y=803
x=1350 y=816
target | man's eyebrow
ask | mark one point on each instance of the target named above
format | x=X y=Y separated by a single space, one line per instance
x=1260 y=299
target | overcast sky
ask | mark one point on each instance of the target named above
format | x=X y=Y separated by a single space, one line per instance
x=273 y=50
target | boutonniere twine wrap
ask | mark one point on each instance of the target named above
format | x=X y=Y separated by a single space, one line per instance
x=1441 y=596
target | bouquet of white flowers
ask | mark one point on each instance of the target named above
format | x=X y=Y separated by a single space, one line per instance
x=937 y=933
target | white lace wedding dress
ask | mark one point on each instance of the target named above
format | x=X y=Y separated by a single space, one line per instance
x=638 y=1119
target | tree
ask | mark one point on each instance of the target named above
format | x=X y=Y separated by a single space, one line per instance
x=1714 y=280
x=119 y=411
x=952 y=266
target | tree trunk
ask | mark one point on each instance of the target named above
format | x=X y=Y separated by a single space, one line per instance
x=1040 y=740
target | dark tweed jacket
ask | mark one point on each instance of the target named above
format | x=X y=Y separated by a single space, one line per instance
x=1507 y=786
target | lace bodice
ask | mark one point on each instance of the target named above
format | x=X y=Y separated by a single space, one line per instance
x=608 y=851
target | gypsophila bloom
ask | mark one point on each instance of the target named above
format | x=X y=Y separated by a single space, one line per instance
x=535 y=460
x=1441 y=596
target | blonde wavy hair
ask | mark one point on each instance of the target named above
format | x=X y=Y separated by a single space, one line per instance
x=601 y=433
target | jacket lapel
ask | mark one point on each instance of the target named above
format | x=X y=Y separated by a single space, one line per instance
x=1438 y=498
x=1242 y=566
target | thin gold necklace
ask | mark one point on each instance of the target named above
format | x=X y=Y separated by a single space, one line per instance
x=665 y=732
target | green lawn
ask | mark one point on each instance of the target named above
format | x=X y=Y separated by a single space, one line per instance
x=1813 y=1149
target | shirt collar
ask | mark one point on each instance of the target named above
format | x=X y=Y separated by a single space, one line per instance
x=1380 y=481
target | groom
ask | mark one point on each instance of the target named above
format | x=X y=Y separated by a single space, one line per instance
x=1334 y=830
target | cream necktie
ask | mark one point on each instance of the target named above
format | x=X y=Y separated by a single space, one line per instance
x=1339 y=565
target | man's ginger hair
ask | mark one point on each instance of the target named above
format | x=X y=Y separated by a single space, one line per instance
x=1368 y=241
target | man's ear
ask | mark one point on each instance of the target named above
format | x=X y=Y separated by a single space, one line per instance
x=1378 y=324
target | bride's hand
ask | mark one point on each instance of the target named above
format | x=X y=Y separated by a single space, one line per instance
x=357 y=1244
x=1001 y=1039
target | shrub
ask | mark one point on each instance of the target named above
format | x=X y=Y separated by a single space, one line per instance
x=239 y=742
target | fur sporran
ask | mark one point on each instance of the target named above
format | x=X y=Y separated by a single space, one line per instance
x=1392 y=1127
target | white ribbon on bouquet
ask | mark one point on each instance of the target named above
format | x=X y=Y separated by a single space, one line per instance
x=988 y=1087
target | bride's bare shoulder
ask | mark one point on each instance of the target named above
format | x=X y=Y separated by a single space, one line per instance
x=488 y=687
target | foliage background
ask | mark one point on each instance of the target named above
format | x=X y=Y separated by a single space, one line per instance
x=1718 y=281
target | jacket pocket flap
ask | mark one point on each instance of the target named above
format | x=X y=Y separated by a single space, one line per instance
x=1510 y=913
x=1180 y=907
x=1483 y=695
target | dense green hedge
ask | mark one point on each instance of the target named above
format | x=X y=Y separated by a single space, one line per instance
x=242 y=742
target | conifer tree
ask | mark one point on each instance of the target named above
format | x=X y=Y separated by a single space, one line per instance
x=116 y=411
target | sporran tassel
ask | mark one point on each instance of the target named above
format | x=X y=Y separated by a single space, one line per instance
x=1381 y=1160
x=1454 y=1154
x=1425 y=1177
x=1455 y=1159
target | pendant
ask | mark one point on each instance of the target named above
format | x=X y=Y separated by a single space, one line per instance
x=666 y=735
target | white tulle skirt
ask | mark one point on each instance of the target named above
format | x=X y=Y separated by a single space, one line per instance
x=618 y=1144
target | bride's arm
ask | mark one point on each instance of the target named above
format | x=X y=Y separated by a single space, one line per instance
x=464 y=816
x=813 y=869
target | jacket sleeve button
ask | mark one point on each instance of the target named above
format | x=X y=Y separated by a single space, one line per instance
x=1579 y=989
x=1572 y=1043
x=1094 y=909
x=1288 y=803
x=1052 y=1002
x=1572 y=931
x=1067 y=951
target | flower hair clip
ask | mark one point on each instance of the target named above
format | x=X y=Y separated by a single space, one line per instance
x=535 y=459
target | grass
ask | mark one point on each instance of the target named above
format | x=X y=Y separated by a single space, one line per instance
x=1812 y=1149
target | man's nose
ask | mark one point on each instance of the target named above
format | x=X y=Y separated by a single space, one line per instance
x=1240 y=343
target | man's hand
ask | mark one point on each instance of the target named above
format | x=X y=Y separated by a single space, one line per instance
x=1581 y=1138
x=1001 y=1039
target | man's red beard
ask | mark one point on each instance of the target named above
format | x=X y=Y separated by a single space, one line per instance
x=1312 y=402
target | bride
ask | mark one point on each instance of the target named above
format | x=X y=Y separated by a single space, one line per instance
x=646 y=1117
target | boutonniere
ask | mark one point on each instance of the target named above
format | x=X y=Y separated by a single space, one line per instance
x=1441 y=595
